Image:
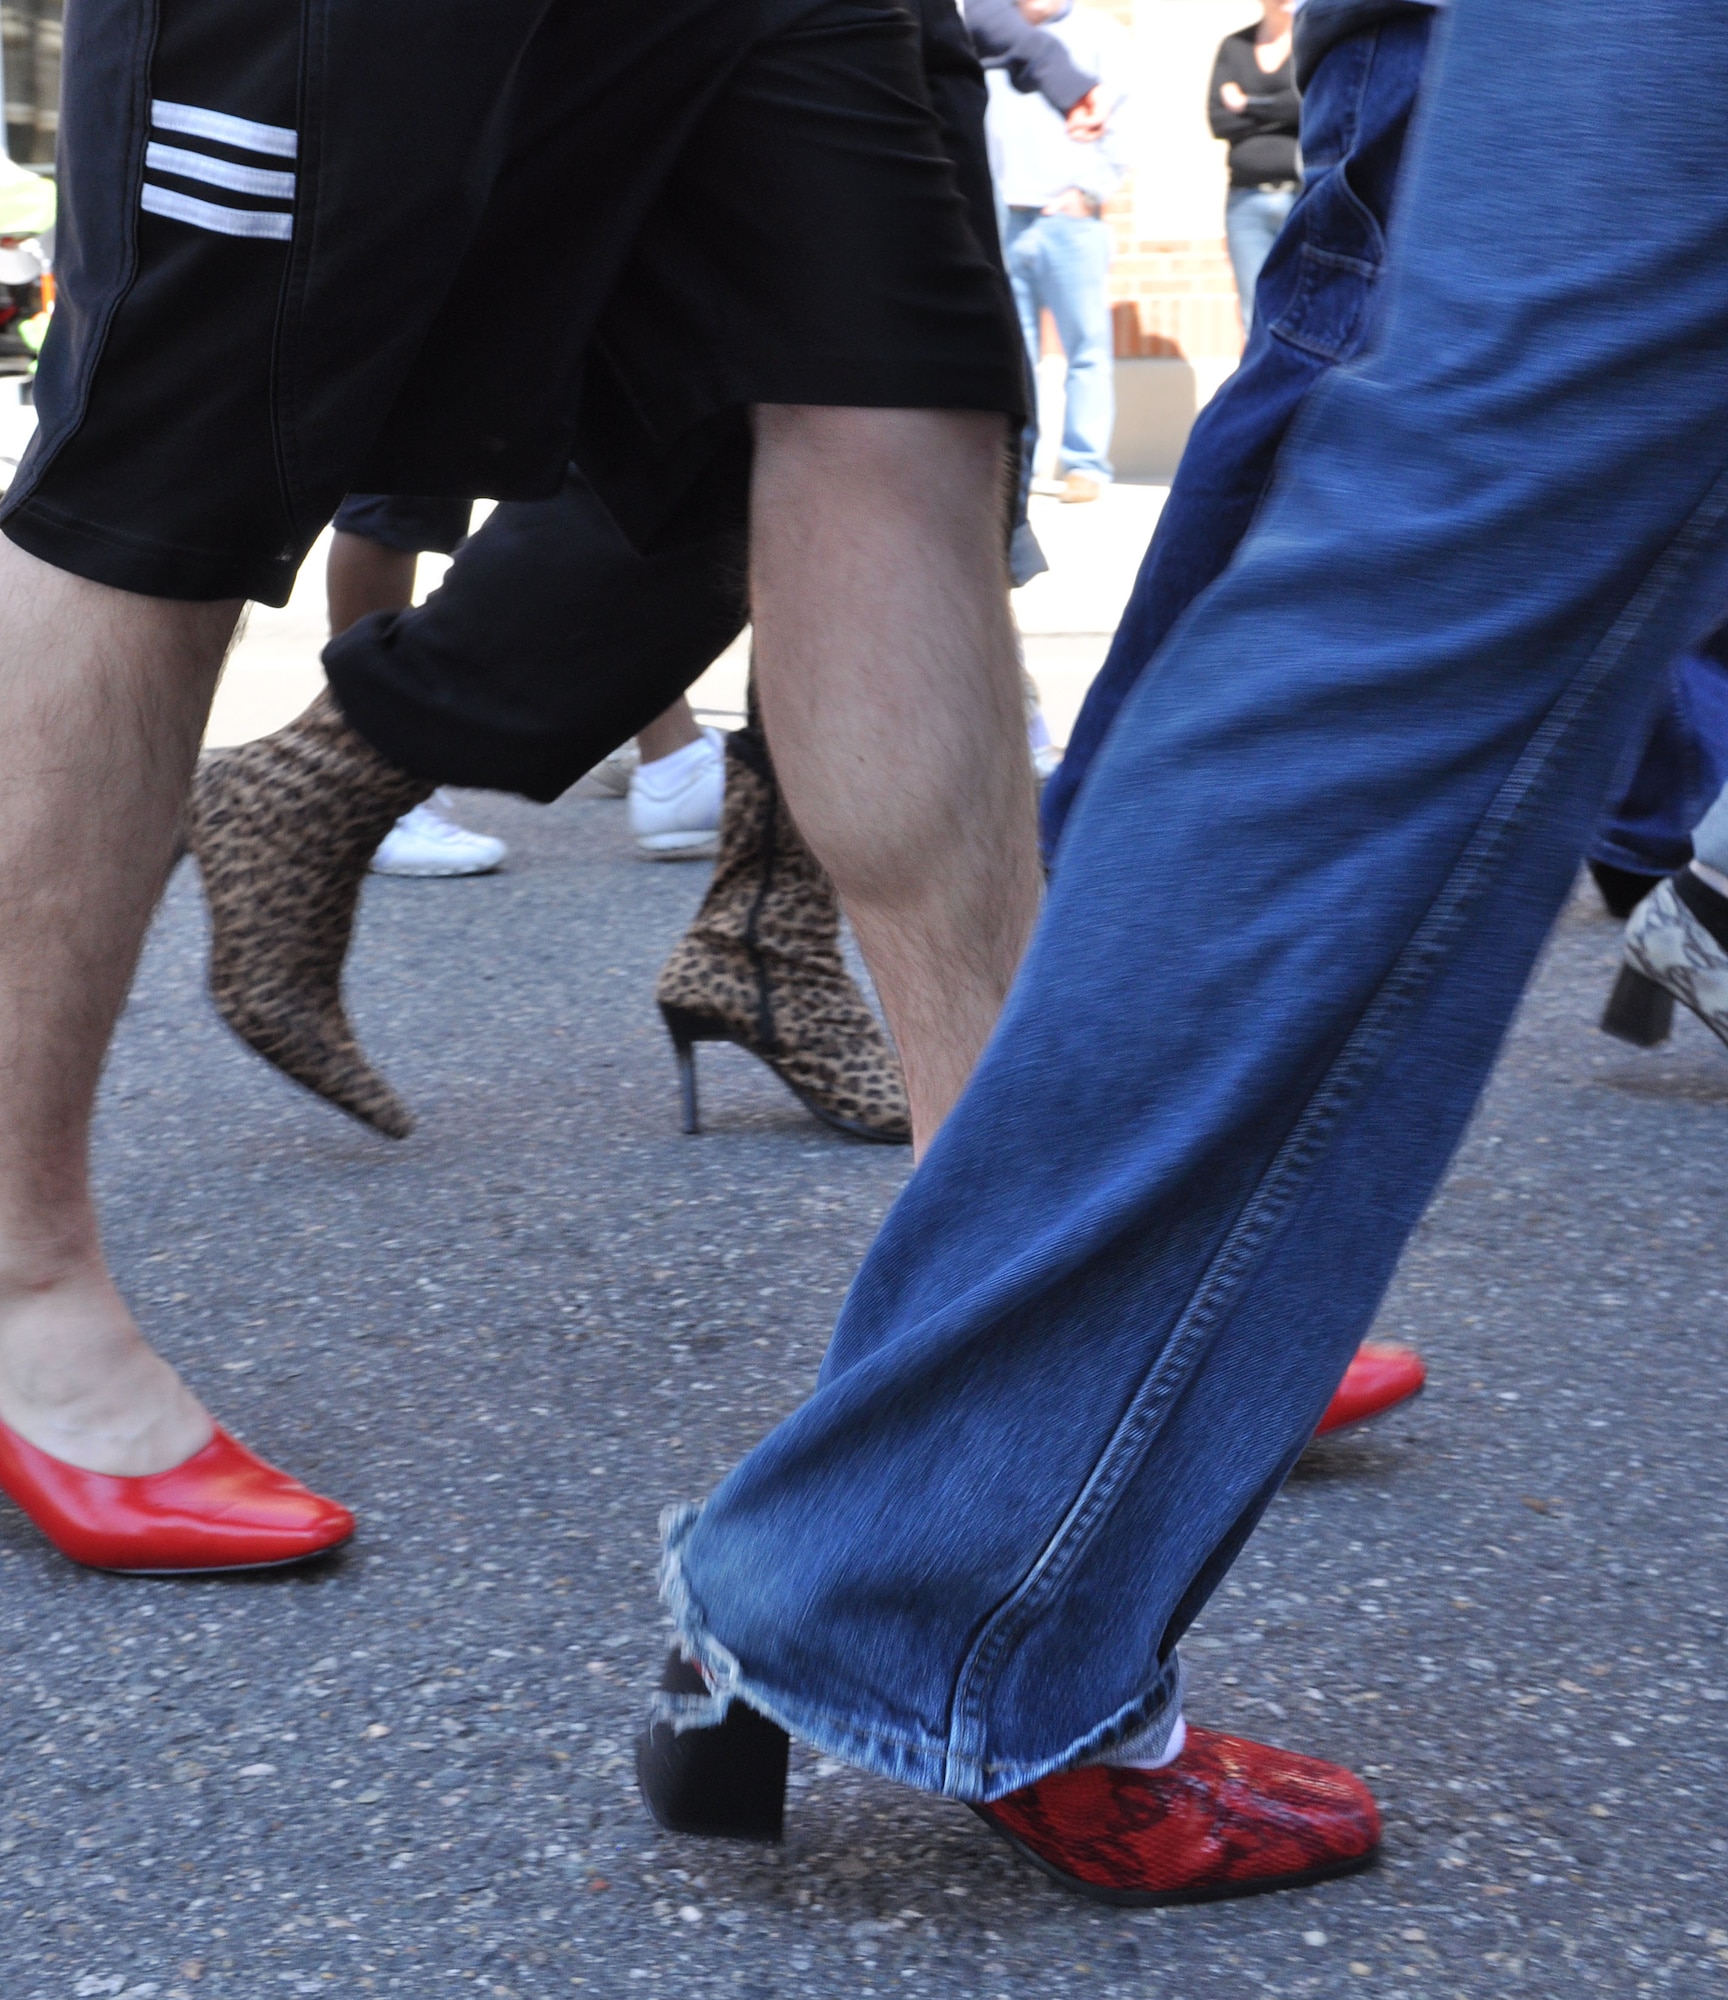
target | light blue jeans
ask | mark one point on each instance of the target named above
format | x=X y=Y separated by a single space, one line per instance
x=1298 y=900
x=1252 y=220
x=1063 y=262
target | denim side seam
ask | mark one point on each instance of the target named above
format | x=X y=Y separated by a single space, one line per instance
x=1286 y=1179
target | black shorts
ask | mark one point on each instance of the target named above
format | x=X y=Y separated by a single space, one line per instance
x=412 y=523
x=385 y=246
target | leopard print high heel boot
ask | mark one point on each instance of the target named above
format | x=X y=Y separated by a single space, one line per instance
x=761 y=966
x=283 y=830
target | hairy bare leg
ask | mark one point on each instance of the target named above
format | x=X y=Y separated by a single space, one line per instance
x=890 y=690
x=103 y=697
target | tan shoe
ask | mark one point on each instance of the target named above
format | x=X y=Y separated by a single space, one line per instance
x=1077 y=488
x=761 y=966
x=284 y=830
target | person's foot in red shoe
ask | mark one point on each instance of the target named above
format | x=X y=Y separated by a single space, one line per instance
x=1381 y=1378
x=1225 y=1818
x=116 y=1461
x=220 y=1510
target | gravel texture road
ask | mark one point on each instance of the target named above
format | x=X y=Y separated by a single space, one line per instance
x=511 y=1340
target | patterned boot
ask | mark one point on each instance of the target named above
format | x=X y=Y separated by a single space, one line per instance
x=1226 y=1818
x=761 y=967
x=283 y=830
x=1676 y=949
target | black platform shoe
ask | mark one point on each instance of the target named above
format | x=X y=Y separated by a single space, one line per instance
x=727 y=1781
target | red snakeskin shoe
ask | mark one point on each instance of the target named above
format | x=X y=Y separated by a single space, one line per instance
x=1227 y=1818
x=1381 y=1378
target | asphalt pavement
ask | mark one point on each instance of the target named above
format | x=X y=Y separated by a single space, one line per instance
x=510 y=1341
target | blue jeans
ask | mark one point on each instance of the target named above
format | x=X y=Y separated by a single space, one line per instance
x=1252 y=220
x=1063 y=262
x=1680 y=771
x=1318 y=305
x=1298 y=902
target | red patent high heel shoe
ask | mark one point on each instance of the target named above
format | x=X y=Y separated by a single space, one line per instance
x=1380 y=1379
x=222 y=1509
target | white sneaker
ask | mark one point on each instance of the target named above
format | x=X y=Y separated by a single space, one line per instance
x=613 y=774
x=675 y=802
x=428 y=841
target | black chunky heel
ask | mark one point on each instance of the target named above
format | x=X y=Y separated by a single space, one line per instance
x=727 y=1782
x=1638 y=1011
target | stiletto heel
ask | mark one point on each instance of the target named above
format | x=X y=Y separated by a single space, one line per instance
x=727 y=1781
x=761 y=967
x=690 y=1120
x=1639 y=1011
x=686 y=1030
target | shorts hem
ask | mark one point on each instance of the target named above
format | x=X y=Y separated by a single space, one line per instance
x=145 y=569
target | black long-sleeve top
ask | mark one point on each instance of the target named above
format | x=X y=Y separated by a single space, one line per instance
x=1263 y=136
x=1034 y=60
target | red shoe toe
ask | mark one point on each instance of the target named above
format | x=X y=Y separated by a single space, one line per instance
x=223 y=1509
x=1380 y=1377
x=1228 y=1818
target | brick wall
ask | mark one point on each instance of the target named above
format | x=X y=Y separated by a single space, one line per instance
x=1179 y=286
x=1182 y=292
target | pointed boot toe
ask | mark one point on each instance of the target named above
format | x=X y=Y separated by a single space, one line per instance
x=1227 y=1818
x=284 y=830
x=313 y=1045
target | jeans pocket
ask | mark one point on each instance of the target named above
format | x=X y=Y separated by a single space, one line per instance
x=1318 y=294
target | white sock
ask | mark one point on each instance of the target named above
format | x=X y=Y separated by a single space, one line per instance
x=1172 y=1750
x=1714 y=876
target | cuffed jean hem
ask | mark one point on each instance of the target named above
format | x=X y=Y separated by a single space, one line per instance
x=1144 y=1725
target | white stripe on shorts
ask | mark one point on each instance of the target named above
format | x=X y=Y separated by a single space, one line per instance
x=223 y=173
x=211 y=215
x=244 y=133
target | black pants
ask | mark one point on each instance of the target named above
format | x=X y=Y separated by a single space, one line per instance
x=551 y=641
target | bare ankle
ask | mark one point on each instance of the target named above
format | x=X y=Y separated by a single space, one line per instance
x=79 y=1381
